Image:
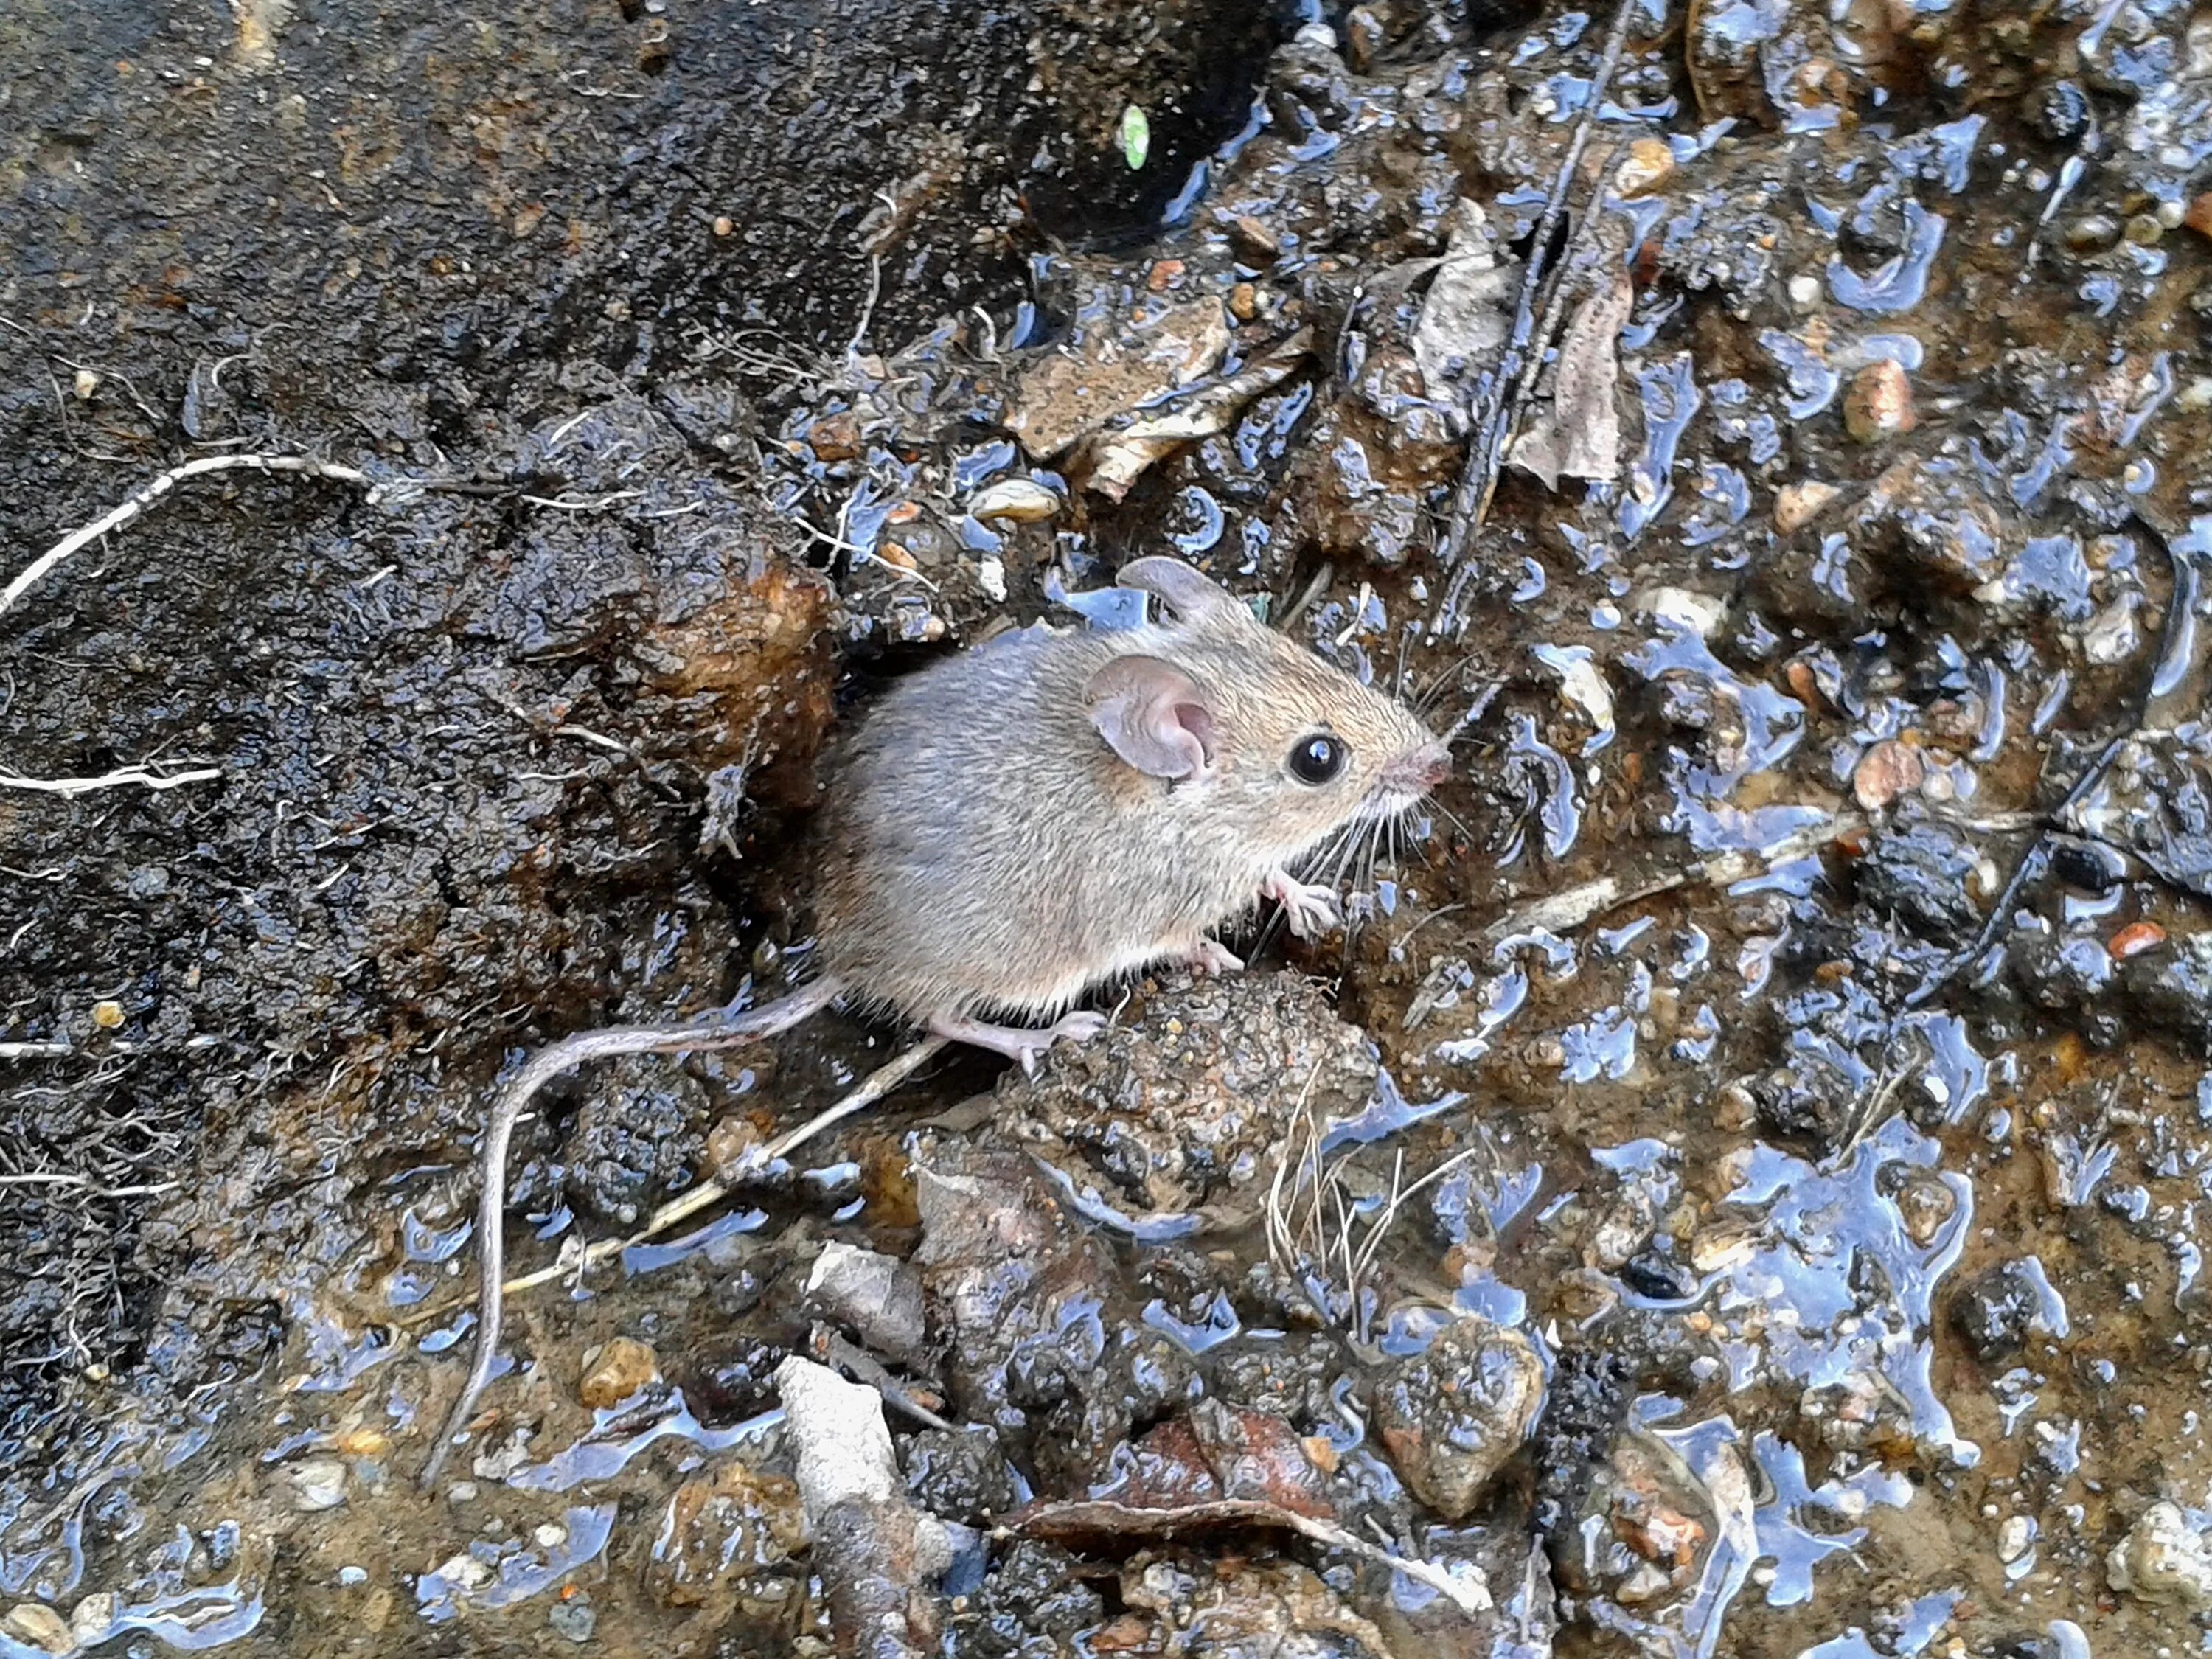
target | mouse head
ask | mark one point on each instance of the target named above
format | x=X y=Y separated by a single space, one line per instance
x=1282 y=748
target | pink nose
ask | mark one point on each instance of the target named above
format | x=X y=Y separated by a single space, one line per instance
x=1424 y=768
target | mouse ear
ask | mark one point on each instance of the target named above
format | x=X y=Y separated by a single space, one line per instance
x=1190 y=594
x=1155 y=716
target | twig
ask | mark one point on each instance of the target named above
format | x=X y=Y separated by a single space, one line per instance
x=35 y=1050
x=128 y=774
x=1479 y=480
x=60 y=1179
x=135 y=504
x=678 y=1210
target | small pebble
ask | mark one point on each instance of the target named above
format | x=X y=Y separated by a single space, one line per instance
x=725 y=226
x=2144 y=230
x=549 y=1536
x=1805 y=292
x=1244 y=302
x=84 y=384
x=317 y=1484
x=2134 y=939
x=2092 y=231
x=1650 y=163
x=573 y=1619
x=1887 y=769
x=464 y=1571
x=617 y=1372
x=1797 y=505
x=1022 y=501
x=107 y=1015
x=1878 y=404
x=1254 y=240
x=37 y=1626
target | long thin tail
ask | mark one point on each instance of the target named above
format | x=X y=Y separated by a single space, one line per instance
x=726 y=1030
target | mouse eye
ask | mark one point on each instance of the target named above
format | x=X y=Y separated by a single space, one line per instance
x=1318 y=758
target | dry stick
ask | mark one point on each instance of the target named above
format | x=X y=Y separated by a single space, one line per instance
x=1479 y=480
x=494 y=1290
x=128 y=774
x=871 y=1089
x=147 y=495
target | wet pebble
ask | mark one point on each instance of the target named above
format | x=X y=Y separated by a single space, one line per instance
x=1878 y=404
x=2092 y=232
x=1019 y=501
x=1450 y=1414
x=616 y=1372
x=2166 y=1557
x=1997 y=1308
x=1797 y=505
x=1887 y=769
x=877 y=1297
x=37 y=1626
x=574 y=1619
x=317 y=1484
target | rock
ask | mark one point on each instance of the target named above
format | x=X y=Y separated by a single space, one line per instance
x=1997 y=1310
x=1923 y=871
x=1878 y=403
x=93 y=1619
x=2166 y=1557
x=959 y=1474
x=37 y=1626
x=1797 y=505
x=318 y=1483
x=1111 y=368
x=575 y=1619
x=615 y=1373
x=1452 y=1413
x=1887 y=769
x=1019 y=501
x=1254 y=240
x=1649 y=163
x=877 y=1298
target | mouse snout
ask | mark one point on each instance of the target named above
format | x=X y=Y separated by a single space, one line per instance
x=1419 y=770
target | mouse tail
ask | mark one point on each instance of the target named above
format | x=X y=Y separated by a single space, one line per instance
x=728 y=1028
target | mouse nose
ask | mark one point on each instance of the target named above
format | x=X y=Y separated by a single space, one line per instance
x=1422 y=769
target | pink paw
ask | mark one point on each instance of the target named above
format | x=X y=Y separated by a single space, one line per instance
x=1311 y=911
x=1211 y=955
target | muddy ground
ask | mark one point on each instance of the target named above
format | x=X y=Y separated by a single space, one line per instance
x=1732 y=1188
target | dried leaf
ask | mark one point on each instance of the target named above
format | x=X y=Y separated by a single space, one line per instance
x=1468 y=310
x=1579 y=436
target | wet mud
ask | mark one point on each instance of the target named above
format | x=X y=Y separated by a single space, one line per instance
x=1730 y=1188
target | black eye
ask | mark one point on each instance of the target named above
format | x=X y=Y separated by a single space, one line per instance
x=1318 y=758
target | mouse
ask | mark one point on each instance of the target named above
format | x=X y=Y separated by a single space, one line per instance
x=1022 y=823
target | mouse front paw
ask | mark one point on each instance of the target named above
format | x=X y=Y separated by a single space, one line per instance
x=1311 y=911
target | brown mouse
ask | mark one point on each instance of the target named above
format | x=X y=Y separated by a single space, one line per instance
x=1024 y=822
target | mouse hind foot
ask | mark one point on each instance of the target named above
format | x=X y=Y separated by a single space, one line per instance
x=1017 y=1043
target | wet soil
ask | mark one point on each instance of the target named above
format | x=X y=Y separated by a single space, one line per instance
x=1731 y=1189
